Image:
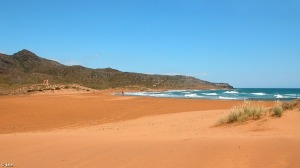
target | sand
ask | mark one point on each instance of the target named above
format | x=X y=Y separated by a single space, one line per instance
x=101 y=130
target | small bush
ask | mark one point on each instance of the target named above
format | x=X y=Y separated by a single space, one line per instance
x=233 y=117
x=277 y=111
x=57 y=88
x=246 y=111
x=67 y=87
x=290 y=105
x=287 y=106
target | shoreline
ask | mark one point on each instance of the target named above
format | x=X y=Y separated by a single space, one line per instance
x=244 y=94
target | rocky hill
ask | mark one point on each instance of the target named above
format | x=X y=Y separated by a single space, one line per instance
x=24 y=67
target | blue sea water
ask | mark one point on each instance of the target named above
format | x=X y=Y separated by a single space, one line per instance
x=236 y=94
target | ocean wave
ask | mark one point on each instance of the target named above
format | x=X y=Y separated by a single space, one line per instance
x=227 y=98
x=258 y=94
x=152 y=94
x=135 y=93
x=159 y=95
x=231 y=92
x=192 y=95
x=210 y=94
x=291 y=95
x=279 y=96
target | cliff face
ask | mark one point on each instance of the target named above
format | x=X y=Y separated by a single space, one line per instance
x=24 y=67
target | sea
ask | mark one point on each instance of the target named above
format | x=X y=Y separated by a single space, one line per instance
x=269 y=94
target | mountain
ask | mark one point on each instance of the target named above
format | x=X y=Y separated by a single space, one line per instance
x=25 y=67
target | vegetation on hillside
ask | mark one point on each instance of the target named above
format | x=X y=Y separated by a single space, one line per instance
x=24 y=67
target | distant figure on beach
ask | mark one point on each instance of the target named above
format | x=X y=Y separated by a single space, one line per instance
x=122 y=93
x=45 y=82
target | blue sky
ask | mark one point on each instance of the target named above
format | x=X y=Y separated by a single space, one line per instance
x=247 y=43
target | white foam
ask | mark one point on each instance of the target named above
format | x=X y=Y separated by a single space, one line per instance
x=259 y=94
x=153 y=94
x=227 y=98
x=158 y=95
x=290 y=95
x=135 y=93
x=192 y=95
x=278 y=96
x=231 y=92
x=210 y=94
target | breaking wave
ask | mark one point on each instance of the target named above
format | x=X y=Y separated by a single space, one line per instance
x=232 y=92
x=192 y=95
x=259 y=94
x=210 y=94
x=240 y=94
x=227 y=98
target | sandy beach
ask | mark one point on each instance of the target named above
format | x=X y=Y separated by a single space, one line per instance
x=101 y=130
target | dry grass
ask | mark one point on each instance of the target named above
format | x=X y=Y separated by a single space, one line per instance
x=291 y=105
x=243 y=112
x=277 y=110
x=255 y=110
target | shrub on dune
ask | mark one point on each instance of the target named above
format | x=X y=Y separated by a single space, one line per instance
x=246 y=111
x=253 y=111
x=277 y=109
x=290 y=105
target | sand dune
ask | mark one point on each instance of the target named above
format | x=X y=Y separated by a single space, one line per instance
x=120 y=131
